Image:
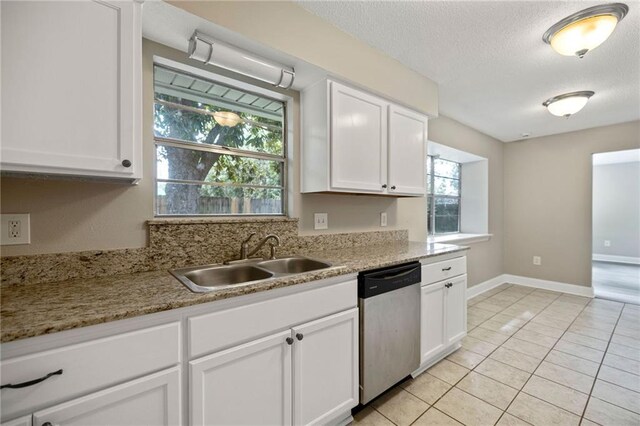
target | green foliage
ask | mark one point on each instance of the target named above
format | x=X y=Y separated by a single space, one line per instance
x=255 y=133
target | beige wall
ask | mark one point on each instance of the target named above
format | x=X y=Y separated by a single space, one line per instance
x=484 y=258
x=75 y=215
x=547 y=211
x=303 y=35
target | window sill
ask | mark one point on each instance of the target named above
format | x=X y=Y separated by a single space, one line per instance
x=460 y=238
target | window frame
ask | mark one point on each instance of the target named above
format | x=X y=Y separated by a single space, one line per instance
x=431 y=196
x=178 y=143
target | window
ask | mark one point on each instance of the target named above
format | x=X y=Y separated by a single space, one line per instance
x=443 y=195
x=220 y=150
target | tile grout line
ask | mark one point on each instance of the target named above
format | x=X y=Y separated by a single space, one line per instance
x=600 y=366
x=531 y=374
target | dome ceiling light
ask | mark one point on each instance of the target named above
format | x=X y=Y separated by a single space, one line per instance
x=567 y=104
x=585 y=30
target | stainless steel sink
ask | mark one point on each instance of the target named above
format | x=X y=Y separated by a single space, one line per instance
x=293 y=265
x=206 y=278
x=201 y=279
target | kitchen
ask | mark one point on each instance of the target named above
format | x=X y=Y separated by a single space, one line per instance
x=354 y=161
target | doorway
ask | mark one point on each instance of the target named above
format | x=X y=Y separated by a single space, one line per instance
x=616 y=226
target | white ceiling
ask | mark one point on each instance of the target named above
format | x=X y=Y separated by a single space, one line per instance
x=493 y=69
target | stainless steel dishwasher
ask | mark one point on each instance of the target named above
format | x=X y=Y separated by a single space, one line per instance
x=389 y=302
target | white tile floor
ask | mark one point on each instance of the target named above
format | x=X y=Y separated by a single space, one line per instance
x=531 y=357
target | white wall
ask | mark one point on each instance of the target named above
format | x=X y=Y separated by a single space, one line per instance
x=616 y=209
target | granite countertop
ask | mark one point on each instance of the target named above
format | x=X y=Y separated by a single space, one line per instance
x=28 y=310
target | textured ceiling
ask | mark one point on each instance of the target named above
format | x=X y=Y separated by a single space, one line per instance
x=493 y=69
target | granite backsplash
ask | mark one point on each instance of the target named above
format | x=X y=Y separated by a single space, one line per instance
x=181 y=242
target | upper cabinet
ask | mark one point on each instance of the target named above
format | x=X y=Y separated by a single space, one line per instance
x=71 y=88
x=356 y=142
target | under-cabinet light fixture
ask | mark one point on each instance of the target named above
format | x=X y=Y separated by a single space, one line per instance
x=214 y=52
x=585 y=30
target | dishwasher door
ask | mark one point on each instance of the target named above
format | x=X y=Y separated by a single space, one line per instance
x=389 y=339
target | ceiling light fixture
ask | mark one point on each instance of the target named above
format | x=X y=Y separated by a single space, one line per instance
x=227 y=118
x=567 y=104
x=585 y=30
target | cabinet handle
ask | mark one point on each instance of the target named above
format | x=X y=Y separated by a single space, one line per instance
x=448 y=285
x=289 y=341
x=384 y=186
x=446 y=269
x=126 y=163
x=31 y=382
x=393 y=187
x=299 y=336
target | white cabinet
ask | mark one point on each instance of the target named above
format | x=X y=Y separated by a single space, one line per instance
x=71 y=88
x=432 y=320
x=456 y=309
x=151 y=400
x=356 y=142
x=305 y=375
x=407 y=151
x=325 y=368
x=246 y=385
x=22 y=421
x=443 y=313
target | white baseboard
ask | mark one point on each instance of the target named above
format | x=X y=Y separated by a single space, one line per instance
x=578 y=290
x=528 y=282
x=485 y=286
x=616 y=259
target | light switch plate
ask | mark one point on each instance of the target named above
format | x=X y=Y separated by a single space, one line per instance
x=15 y=229
x=320 y=221
x=383 y=219
x=537 y=260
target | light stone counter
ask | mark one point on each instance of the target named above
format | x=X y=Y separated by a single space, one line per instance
x=31 y=308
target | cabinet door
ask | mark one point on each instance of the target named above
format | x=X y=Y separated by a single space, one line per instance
x=248 y=384
x=358 y=140
x=407 y=152
x=456 y=308
x=22 y=421
x=325 y=366
x=71 y=82
x=151 y=400
x=432 y=322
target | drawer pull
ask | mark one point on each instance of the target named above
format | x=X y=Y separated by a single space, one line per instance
x=446 y=269
x=31 y=382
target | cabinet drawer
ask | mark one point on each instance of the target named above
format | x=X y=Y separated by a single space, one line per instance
x=439 y=271
x=87 y=367
x=219 y=330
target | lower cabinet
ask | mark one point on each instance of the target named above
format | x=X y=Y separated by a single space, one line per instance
x=151 y=400
x=305 y=375
x=443 y=316
x=432 y=339
x=456 y=309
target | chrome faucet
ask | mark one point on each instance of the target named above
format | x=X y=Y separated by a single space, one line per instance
x=245 y=254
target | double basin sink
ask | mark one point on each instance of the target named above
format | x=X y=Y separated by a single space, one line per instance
x=202 y=279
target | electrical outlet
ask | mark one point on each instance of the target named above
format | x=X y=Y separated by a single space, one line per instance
x=383 y=219
x=320 y=221
x=15 y=229
x=537 y=260
x=607 y=243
